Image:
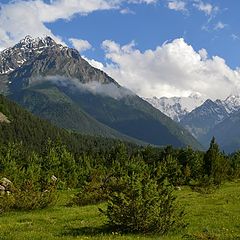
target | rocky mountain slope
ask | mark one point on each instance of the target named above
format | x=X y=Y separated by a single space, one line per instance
x=202 y=119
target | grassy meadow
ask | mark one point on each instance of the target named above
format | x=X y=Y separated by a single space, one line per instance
x=212 y=216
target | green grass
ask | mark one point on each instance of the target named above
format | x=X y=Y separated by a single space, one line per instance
x=213 y=216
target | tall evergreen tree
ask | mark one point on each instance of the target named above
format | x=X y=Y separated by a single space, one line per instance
x=214 y=163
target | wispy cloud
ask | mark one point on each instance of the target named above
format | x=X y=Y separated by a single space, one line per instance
x=205 y=7
x=127 y=11
x=235 y=37
x=108 y=90
x=220 y=26
x=177 y=5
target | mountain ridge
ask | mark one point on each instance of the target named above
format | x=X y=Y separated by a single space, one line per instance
x=178 y=107
x=146 y=123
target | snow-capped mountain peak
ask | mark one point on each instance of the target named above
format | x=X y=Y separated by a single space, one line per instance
x=177 y=107
x=33 y=43
x=16 y=56
x=232 y=103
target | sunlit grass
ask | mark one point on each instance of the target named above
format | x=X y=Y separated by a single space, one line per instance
x=213 y=216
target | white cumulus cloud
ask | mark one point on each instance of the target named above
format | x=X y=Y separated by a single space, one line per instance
x=173 y=69
x=80 y=44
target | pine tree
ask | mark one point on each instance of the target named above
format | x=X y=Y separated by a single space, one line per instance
x=214 y=163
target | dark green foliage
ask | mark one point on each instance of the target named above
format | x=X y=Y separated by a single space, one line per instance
x=191 y=163
x=234 y=171
x=59 y=162
x=27 y=190
x=215 y=169
x=92 y=192
x=48 y=102
x=139 y=199
x=214 y=164
x=138 y=203
x=171 y=170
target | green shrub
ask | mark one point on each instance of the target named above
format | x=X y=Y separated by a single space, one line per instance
x=30 y=200
x=94 y=191
x=142 y=205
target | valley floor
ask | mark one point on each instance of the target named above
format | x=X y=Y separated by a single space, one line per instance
x=213 y=216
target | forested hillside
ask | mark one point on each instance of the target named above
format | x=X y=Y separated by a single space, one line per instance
x=18 y=125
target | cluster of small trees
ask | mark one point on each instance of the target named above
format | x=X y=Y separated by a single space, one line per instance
x=137 y=182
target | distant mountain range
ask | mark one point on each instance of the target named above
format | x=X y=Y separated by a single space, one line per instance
x=57 y=84
x=205 y=118
x=176 y=107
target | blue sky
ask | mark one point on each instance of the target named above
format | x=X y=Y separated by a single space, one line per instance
x=150 y=25
x=137 y=27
